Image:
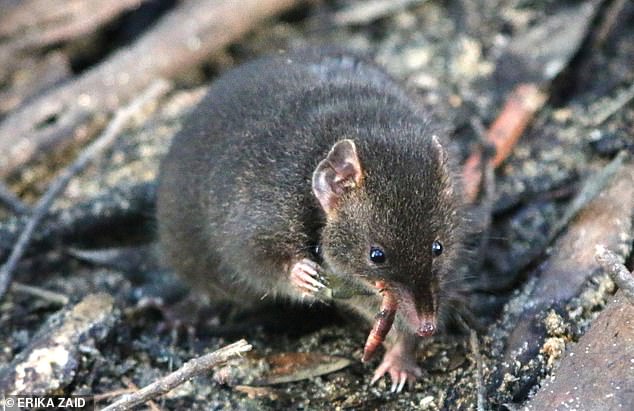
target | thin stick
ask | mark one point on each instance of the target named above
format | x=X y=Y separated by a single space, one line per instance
x=368 y=11
x=106 y=139
x=47 y=295
x=486 y=206
x=615 y=106
x=475 y=349
x=133 y=387
x=612 y=263
x=191 y=369
x=12 y=202
x=114 y=393
x=610 y=20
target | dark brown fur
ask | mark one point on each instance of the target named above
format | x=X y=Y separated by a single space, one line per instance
x=236 y=207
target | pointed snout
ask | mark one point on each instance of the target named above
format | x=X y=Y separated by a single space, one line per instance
x=425 y=311
x=417 y=309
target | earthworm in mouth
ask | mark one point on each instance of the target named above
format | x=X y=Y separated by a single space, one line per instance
x=382 y=322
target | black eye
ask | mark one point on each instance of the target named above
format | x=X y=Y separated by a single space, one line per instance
x=377 y=255
x=436 y=248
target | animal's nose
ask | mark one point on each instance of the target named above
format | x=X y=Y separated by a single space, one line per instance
x=426 y=329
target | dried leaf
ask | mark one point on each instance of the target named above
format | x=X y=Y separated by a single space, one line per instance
x=288 y=367
x=278 y=368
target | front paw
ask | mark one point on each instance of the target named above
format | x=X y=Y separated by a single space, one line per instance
x=306 y=276
x=401 y=367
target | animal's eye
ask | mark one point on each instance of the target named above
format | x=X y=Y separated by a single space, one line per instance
x=436 y=248
x=377 y=255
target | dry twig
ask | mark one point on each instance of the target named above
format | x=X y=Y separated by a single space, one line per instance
x=191 y=369
x=113 y=393
x=47 y=295
x=610 y=19
x=485 y=208
x=57 y=187
x=475 y=350
x=615 y=106
x=133 y=387
x=613 y=264
x=368 y=11
x=12 y=202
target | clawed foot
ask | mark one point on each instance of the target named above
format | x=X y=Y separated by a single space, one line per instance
x=401 y=365
x=305 y=275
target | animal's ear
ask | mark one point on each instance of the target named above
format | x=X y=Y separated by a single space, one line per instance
x=443 y=163
x=339 y=172
x=440 y=150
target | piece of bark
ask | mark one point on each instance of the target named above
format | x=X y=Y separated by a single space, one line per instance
x=607 y=220
x=596 y=373
x=50 y=361
x=183 y=38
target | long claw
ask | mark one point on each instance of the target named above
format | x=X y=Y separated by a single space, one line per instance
x=314 y=282
x=375 y=378
x=305 y=276
x=379 y=373
x=399 y=363
x=401 y=384
x=309 y=268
